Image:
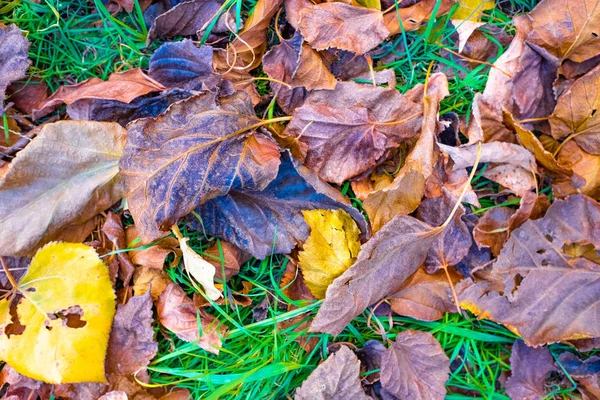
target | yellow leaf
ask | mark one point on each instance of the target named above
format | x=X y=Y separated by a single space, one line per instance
x=374 y=4
x=472 y=10
x=330 y=249
x=61 y=316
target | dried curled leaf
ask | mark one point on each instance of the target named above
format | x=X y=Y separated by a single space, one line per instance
x=56 y=330
x=331 y=248
x=342 y=26
x=338 y=378
x=195 y=151
x=14 y=49
x=40 y=196
x=536 y=288
x=415 y=367
x=349 y=130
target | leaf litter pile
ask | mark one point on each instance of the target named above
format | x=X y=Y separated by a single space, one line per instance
x=271 y=167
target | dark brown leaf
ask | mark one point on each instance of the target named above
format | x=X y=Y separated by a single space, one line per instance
x=195 y=151
x=14 y=50
x=415 y=367
x=529 y=368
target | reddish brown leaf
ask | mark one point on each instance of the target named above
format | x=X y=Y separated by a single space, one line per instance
x=131 y=345
x=27 y=96
x=529 y=368
x=491 y=230
x=14 y=49
x=342 y=26
x=120 y=86
x=113 y=229
x=225 y=256
x=536 y=288
x=586 y=169
x=195 y=151
x=413 y=15
x=154 y=256
x=415 y=367
x=337 y=378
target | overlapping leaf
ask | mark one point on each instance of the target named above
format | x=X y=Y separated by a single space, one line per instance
x=13 y=57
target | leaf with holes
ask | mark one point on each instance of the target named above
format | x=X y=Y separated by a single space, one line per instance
x=56 y=327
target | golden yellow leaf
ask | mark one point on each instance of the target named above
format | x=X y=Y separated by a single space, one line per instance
x=56 y=327
x=330 y=249
x=472 y=10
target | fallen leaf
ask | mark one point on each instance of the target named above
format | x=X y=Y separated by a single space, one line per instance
x=349 y=130
x=21 y=387
x=120 y=86
x=465 y=28
x=27 y=95
x=271 y=221
x=342 y=26
x=114 y=395
x=575 y=114
x=529 y=368
x=491 y=230
x=584 y=165
x=292 y=284
x=337 y=378
x=200 y=269
x=370 y=359
x=415 y=367
x=39 y=196
x=425 y=296
x=183 y=65
x=472 y=10
x=170 y=161
x=178 y=314
x=413 y=16
x=566 y=29
x=153 y=256
x=148 y=278
x=14 y=50
x=131 y=345
x=64 y=322
x=113 y=229
x=585 y=372
x=226 y=257
x=331 y=248
x=541 y=293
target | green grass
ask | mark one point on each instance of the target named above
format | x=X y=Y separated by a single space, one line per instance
x=75 y=40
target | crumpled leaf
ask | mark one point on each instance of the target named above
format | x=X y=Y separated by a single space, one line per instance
x=342 y=26
x=178 y=314
x=60 y=326
x=14 y=50
x=534 y=260
x=331 y=248
x=120 y=86
x=185 y=66
x=403 y=195
x=529 y=368
x=200 y=269
x=566 y=29
x=415 y=367
x=271 y=221
x=338 y=378
x=349 y=130
x=131 y=345
x=113 y=229
x=576 y=112
x=195 y=151
x=39 y=197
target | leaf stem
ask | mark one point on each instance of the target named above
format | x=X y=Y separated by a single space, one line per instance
x=11 y=278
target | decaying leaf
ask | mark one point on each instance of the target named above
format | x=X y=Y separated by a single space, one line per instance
x=415 y=367
x=148 y=278
x=535 y=288
x=178 y=314
x=338 y=378
x=120 y=86
x=331 y=248
x=342 y=26
x=529 y=370
x=347 y=131
x=14 y=50
x=131 y=345
x=40 y=196
x=200 y=269
x=195 y=151
x=56 y=330
x=271 y=221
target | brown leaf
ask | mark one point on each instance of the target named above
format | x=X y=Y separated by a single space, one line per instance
x=120 y=86
x=226 y=257
x=131 y=345
x=178 y=314
x=405 y=192
x=20 y=387
x=535 y=288
x=415 y=367
x=154 y=256
x=292 y=284
x=27 y=95
x=170 y=162
x=529 y=367
x=338 y=378
x=342 y=26
x=576 y=113
x=39 y=196
x=566 y=29
x=491 y=230
x=425 y=296
x=349 y=130
x=113 y=229
x=14 y=50
x=586 y=168
x=151 y=278
x=414 y=15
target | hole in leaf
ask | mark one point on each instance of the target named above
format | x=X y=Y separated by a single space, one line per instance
x=71 y=317
x=594 y=34
x=594 y=112
x=15 y=327
x=544 y=262
x=31 y=290
x=541 y=251
x=517 y=282
x=549 y=238
x=412 y=21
